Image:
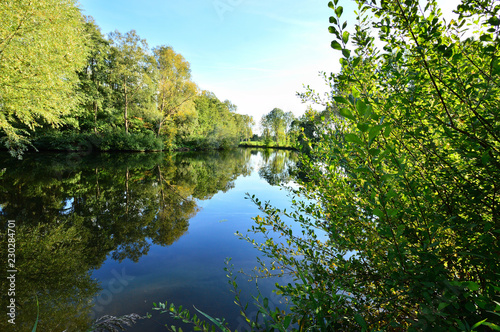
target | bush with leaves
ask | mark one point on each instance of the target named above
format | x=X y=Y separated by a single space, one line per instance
x=404 y=229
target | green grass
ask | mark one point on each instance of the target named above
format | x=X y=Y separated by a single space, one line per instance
x=262 y=144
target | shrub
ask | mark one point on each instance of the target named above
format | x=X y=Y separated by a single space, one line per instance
x=403 y=229
x=110 y=140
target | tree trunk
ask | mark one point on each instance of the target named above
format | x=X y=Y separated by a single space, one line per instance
x=95 y=116
x=159 y=128
x=98 y=191
x=162 y=109
x=125 y=114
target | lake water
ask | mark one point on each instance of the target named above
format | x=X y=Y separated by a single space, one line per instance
x=111 y=234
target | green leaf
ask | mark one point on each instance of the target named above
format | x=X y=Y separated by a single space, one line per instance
x=336 y=45
x=392 y=212
x=494 y=21
x=346 y=113
x=485 y=158
x=287 y=321
x=37 y=314
x=492 y=326
x=363 y=127
x=361 y=107
x=346 y=53
x=353 y=138
x=392 y=193
x=470 y=306
x=356 y=61
x=345 y=37
x=213 y=320
x=442 y=305
x=478 y=324
x=486 y=37
x=330 y=4
x=374 y=131
x=472 y=286
x=351 y=99
x=361 y=321
x=387 y=131
x=339 y=10
x=340 y=100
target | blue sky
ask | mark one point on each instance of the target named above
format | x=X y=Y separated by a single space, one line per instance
x=256 y=53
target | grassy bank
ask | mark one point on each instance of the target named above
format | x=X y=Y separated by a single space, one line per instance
x=261 y=144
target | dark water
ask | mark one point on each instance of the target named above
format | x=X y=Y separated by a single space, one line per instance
x=111 y=234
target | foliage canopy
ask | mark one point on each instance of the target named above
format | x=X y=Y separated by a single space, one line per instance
x=403 y=231
x=41 y=48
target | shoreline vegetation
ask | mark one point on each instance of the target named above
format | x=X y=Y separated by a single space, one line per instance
x=114 y=93
x=262 y=145
x=89 y=148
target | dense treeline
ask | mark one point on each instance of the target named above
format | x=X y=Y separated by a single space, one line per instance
x=74 y=88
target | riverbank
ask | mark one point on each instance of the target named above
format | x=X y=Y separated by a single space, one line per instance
x=119 y=141
x=253 y=144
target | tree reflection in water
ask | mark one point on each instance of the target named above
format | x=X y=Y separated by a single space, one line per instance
x=73 y=211
x=279 y=166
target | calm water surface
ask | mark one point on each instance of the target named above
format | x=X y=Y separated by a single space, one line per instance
x=111 y=234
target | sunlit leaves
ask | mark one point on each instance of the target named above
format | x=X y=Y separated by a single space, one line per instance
x=175 y=87
x=339 y=10
x=345 y=37
x=405 y=174
x=41 y=47
x=345 y=112
x=353 y=138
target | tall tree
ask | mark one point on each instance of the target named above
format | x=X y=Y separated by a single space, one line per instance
x=41 y=48
x=175 y=87
x=274 y=123
x=245 y=123
x=133 y=73
x=94 y=77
